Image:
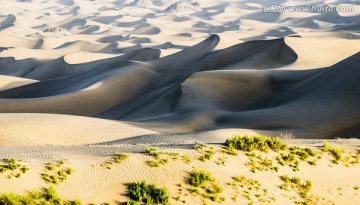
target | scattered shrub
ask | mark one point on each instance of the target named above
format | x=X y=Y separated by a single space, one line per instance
x=295 y=184
x=289 y=160
x=13 y=167
x=202 y=183
x=355 y=158
x=260 y=163
x=221 y=161
x=159 y=157
x=117 y=158
x=250 y=187
x=335 y=152
x=147 y=193
x=207 y=155
x=47 y=196
x=230 y=151
x=259 y=142
x=55 y=173
x=199 y=177
x=199 y=146
x=186 y=159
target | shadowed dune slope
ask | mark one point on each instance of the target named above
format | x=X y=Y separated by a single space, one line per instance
x=198 y=89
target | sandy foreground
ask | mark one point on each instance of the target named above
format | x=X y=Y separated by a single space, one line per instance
x=81 y=80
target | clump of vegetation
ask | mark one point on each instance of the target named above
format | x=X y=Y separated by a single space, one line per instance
x=207 y=155
x=56 y=173
x=289 y=160
x=13 y=167
x=206 y=152
x=46 y=196
x=260 y=163
x=180 y=192
x=157 y=155
x=295 y=155
x=199 y=177
x=335 y=152
x=160 y=157
x=259 y=142
x=186 y=159
x=294 y=183
x=355 y=158
x=147 y=193
x=230 y=151
x=117 y=158
x=249 y=189
x=221 y=161
x=202 y=183
x=302 y=153
x=200 y=146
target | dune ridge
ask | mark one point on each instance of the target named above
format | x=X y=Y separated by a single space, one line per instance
x=81 y=80
x=193 y=90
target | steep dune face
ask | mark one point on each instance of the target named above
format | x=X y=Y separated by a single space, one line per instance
x=198 y=89
x=81 y=80
x=139 y=63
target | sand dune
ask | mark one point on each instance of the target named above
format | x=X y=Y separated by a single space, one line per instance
x=81 y=80
x=15 y=130
x=235 y=97
x=108 y=65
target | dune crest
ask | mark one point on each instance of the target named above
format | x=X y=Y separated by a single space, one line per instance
x=198 y=89
x=88 y=87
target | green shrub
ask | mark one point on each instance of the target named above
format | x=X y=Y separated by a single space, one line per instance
x=230 y=151
x=199 y=177
x=260 y=163
x=13 y=167
x=50 y=166
x=131 y=202
x=259 y=142
x=160 y=157
x=335 y=152
x=47 y=196
x=147 y=193
x=295 y=184
x=202 y=183
x=194 y=190
x=208 y=154
x=117 y=158
x=199 y=146
x=55 y=173
x=150 y=150
x=186 y=159
x=248 y=187
x=289 y=160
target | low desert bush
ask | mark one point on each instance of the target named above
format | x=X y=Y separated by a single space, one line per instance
x=147 y=193
x=12 y=167
x=117 y=158
x=258 y=142
x=249 y=188
x=335 y=152
x=56 y=173
x=46 y=196
x=199 y=177
x=295 y=184
x=202 y=183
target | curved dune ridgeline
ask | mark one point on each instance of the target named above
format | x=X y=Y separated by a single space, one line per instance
x=78 y=72
x=199 y=89
x=186 y=101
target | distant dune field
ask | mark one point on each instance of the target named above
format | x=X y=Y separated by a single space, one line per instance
x=115 y=74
